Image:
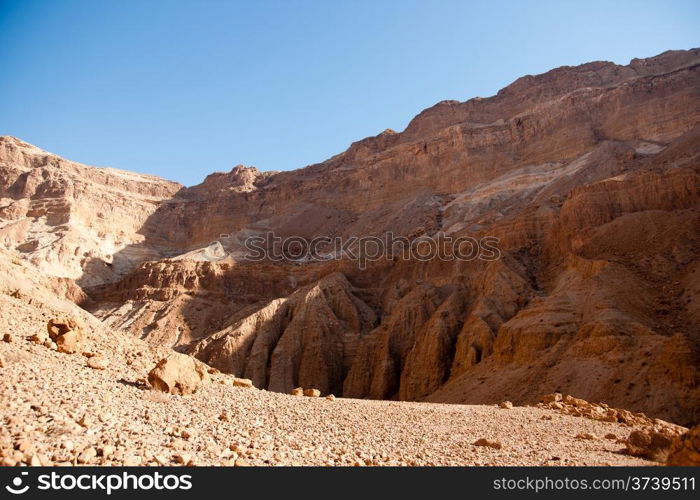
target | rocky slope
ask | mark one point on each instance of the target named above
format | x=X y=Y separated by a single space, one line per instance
x=589 y=176
x=68 y=409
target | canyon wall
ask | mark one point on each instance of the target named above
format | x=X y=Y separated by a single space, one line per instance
x=589 y=177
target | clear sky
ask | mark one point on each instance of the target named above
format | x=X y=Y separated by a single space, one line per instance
x=181 y=89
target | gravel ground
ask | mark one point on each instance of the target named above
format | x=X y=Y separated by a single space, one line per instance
x=56 y=410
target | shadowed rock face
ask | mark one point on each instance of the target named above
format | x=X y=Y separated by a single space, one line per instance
x=589 y=176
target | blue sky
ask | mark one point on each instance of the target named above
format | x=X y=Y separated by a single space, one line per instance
x=181 y=89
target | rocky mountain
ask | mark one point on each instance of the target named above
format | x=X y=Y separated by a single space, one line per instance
x=588 y=176
x=74 y=221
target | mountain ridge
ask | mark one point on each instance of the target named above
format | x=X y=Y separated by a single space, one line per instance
x=570 y=170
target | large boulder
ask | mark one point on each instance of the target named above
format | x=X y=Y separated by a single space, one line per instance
x=651 y=443
x=178 y=374
x=67 y=333
x=685 y=449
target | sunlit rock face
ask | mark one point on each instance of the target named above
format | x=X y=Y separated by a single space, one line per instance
x=589 y=177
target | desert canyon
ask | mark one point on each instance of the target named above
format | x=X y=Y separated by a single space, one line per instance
x=589 y=176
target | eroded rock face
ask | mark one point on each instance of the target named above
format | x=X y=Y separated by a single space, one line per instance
x=581 y=202
x=177 y=374
x=306 y=339
x=74 y=221
x=588 y=176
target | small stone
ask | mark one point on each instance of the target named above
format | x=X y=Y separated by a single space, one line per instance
x=242 y=382
x=85 y=421
x=299 y=391
x=579 y=403
x=186 y=433
x=491 y=444
x=66 y=333
x=132 y=461
x=610 y=435
x=585 y=436
x=330 y=397
x=69 y=343
x=25 y=446
x=8 y=337
x=507 y=405
x=546 y=417
x=182 y=458
x=107 y=450
x=97 y=362
x=312 y=393
x=39 y=338
x=552 y=398
x=87 y=455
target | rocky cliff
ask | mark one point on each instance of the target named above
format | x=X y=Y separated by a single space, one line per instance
x=75 y=221
x=589 y=177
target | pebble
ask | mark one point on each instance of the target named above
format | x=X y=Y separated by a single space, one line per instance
x=488 y=443
x=97 y=362
x=312 y=393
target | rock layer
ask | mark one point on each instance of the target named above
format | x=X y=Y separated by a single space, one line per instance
x=74 y=221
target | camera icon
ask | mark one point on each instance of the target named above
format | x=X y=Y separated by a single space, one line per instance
x=16 y=488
